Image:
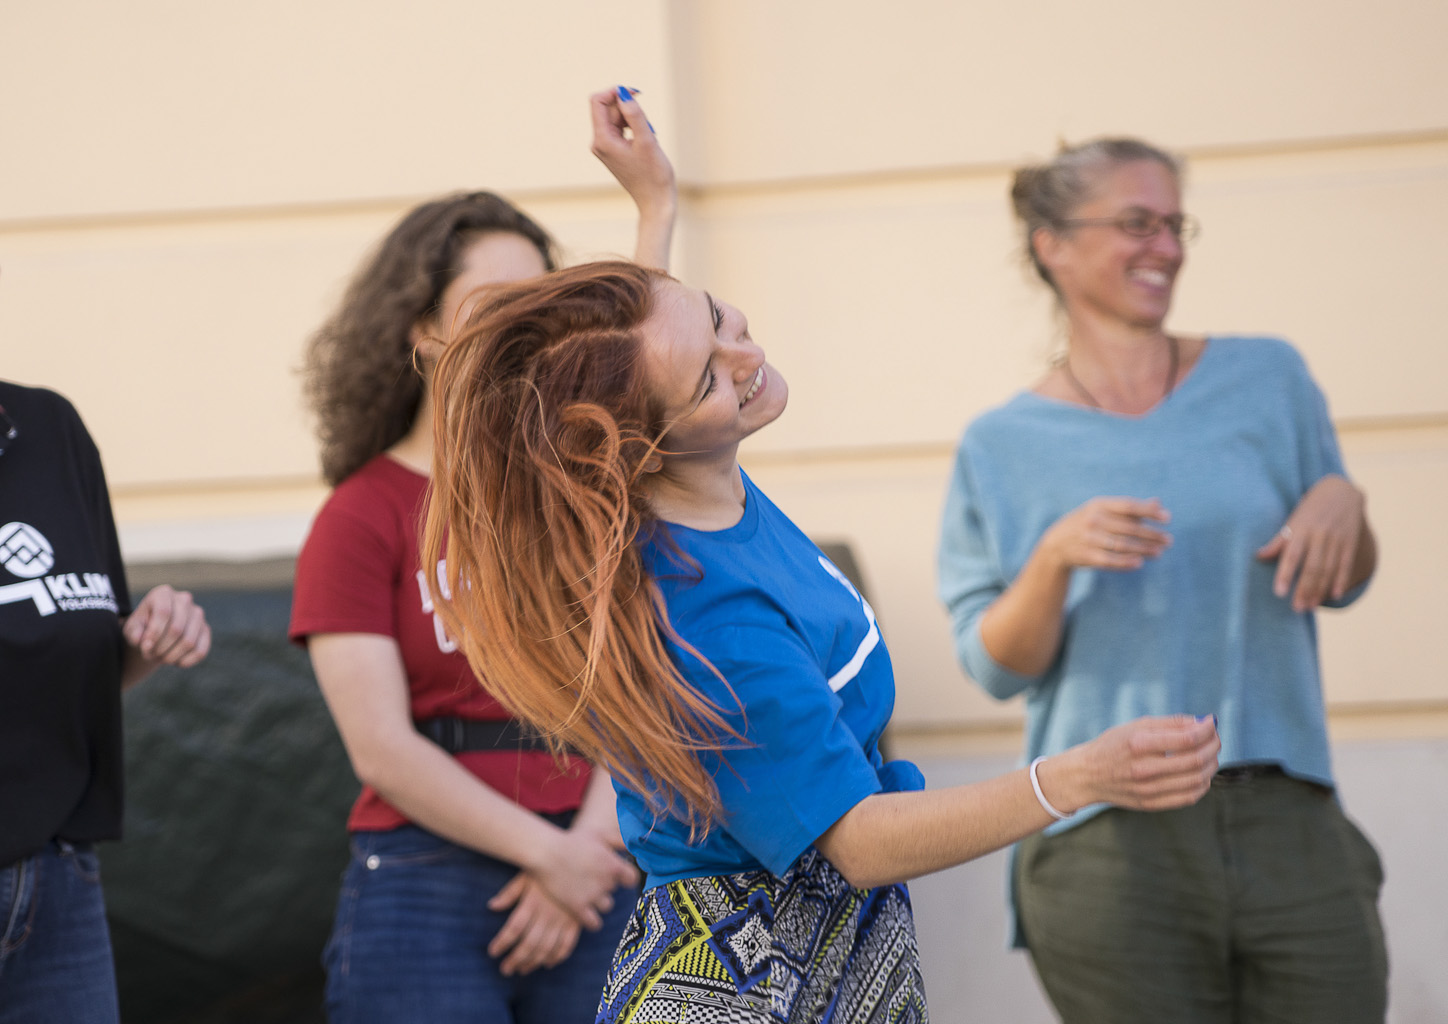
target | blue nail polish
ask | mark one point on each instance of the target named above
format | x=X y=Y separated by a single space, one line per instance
x=624 y=94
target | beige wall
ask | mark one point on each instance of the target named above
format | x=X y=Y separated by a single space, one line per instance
x=186 y=188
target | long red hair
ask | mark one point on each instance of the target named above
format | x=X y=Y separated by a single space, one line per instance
x=543 y=423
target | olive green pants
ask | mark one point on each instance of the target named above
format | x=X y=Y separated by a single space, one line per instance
x=1258 y=904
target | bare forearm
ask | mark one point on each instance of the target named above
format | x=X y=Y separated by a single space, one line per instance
x=1148 y=764
x=1022 y=629
x=656 y=234
x=894 y=837
x=434 y=791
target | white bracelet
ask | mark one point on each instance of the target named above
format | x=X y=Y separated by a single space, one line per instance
x=1045 y=804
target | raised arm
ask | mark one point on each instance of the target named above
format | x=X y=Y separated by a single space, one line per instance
x=626 y=143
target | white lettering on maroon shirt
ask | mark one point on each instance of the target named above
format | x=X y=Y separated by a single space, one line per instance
x=445 y=643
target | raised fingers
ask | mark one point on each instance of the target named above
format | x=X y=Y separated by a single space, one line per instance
x=633 y=113
x=608 y=122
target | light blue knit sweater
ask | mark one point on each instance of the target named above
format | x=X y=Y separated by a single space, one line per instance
x=1198 y=630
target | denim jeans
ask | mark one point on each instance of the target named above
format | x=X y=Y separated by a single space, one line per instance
x=411 y=938
x=55 y=949
x=1256 y=905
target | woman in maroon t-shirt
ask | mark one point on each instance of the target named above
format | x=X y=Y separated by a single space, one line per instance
x=468 y=835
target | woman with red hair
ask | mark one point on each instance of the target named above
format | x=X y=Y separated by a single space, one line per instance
x=628 y=591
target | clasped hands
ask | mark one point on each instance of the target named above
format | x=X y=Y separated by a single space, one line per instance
x=552 y=903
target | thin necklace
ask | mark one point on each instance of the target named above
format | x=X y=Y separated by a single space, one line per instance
x=1171 y=375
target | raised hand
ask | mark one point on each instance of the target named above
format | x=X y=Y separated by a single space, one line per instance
x=626 y=143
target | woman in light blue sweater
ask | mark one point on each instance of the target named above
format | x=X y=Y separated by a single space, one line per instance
x=1148 y=530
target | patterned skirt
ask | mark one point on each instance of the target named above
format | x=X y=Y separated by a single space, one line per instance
x=754 y=947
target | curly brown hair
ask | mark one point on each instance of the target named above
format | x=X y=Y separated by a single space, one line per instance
x=360 y=377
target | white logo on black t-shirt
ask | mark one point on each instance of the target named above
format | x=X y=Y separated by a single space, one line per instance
x=24 y=551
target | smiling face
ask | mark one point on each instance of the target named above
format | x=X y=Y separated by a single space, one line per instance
x=1100 y=270
x=707 y=373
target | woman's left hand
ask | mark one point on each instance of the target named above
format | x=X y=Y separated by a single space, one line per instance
x=538 y=933
x=166 y=628
x=1318 y=545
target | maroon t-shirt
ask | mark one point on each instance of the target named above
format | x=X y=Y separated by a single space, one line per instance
x=360 y=572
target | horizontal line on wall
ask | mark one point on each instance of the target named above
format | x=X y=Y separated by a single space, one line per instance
x=1417 y=719
x=388 y=205
x=850 y=453
x=160 y=489
x=689 y=191
x=236 y=485
x=1372 y=424
x=946 y=173
x=1388 y=720
x=946 y=449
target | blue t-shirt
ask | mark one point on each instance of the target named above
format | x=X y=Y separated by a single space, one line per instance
x=801 y=650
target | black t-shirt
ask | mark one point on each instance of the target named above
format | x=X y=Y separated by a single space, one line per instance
x=62 y=596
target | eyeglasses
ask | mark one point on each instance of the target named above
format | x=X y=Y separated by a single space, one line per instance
x=1144 y=224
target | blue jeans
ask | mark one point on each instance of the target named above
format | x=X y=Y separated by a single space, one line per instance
x=411 y=938
x=55 y=949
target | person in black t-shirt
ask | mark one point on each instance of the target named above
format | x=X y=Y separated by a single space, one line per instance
x=69 y=643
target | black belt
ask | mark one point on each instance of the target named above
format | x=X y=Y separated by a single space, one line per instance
x=1234 y=774
x=461 y=735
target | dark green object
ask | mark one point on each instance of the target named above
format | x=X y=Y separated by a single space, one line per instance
x=221 y=895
